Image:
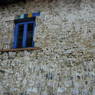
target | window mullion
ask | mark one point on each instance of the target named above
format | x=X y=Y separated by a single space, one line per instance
x=33 y=43
x=24 y=36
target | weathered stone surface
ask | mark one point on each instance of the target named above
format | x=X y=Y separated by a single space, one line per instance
x=66 y=63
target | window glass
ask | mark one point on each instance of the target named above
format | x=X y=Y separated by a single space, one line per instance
x=20 y=35
x=29 y=35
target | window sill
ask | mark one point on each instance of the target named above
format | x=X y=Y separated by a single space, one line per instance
x=20 y=49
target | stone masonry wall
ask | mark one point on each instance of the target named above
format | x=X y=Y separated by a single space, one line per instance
x=66 y=63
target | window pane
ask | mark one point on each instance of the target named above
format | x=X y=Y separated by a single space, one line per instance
x=20 y=35
x=30 y=35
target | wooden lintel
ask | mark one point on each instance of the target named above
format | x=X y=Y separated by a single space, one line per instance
x=19 y=49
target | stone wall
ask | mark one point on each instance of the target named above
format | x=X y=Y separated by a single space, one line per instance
x=66 y=63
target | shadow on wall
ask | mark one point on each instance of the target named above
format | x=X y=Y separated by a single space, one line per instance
x=72 y=1
x=8 y=2
x=3 y=2
x=65 y=1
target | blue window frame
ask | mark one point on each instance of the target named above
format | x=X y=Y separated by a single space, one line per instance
x=24 y=35
x=24 y=30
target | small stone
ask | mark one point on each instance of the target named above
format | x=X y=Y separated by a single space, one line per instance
x=32 y=90
x=29 y=90
x=85 y=92
x=93 y=93
x=12 y=54
x=5 y=56
x=49 y=76
x=61 y=90
x=75 y=92
x=2 y=71
x=44 y=93
x=13 y=89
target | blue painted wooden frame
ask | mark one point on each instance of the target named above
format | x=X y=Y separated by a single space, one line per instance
x=16 y=32
x=15 y=36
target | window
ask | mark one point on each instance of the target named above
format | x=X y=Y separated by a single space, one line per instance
x=20 y=35
x=30 y=35
x=24 y=31
x=24 y=35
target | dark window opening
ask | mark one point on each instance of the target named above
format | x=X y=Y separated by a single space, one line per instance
x=20 y=35
x=30 y=35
